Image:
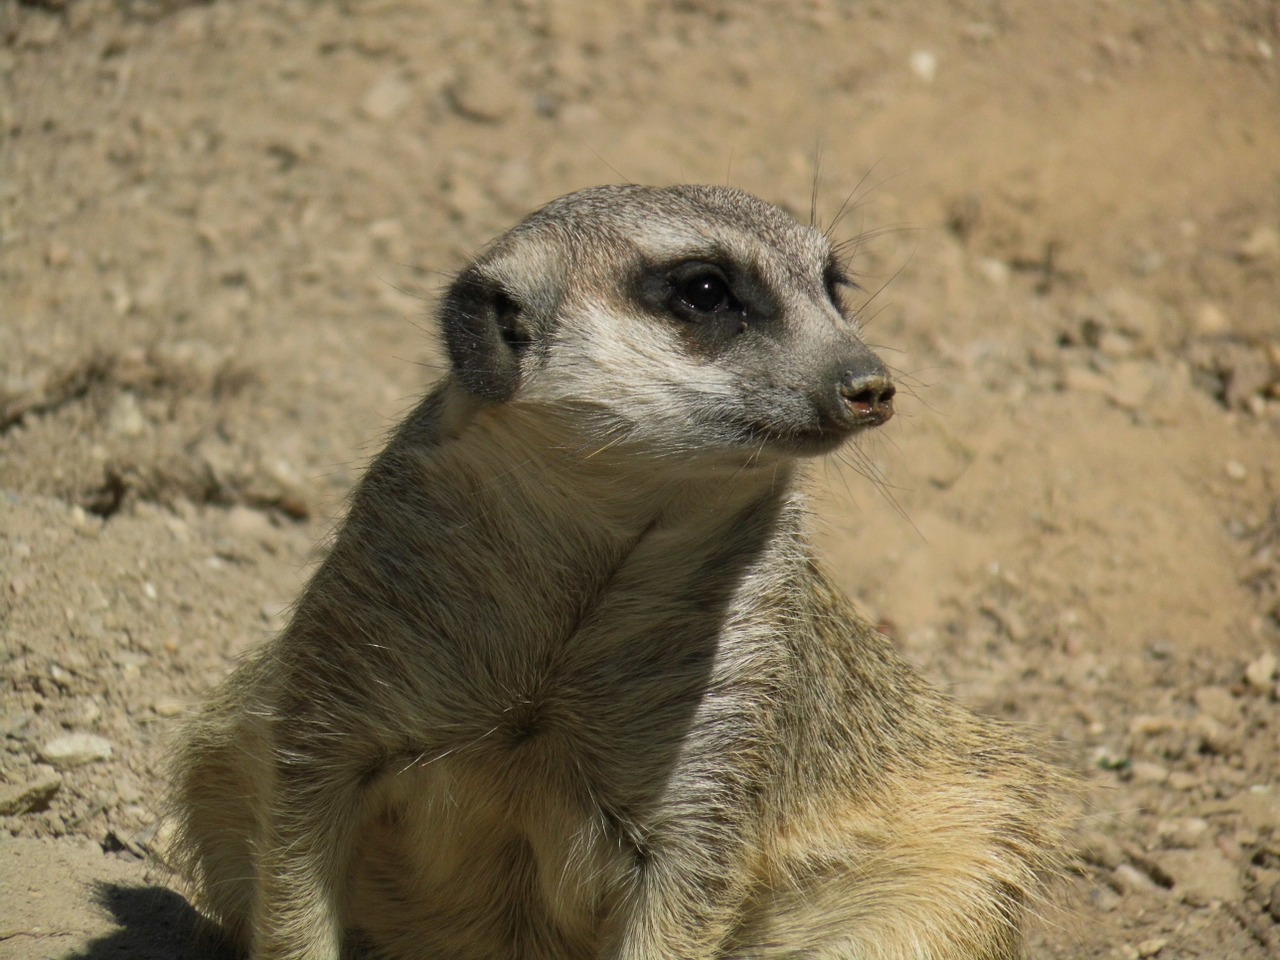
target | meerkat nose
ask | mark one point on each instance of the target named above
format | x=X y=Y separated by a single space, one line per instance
x=869 y=397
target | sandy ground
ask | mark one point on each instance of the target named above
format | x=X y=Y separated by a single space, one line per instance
x=222 y=227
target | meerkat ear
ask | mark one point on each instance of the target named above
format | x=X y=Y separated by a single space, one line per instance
x=487 y=333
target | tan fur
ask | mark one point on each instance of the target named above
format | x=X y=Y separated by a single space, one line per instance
x=571 y=685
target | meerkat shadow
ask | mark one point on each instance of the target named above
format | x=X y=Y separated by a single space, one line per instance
x=153 y=923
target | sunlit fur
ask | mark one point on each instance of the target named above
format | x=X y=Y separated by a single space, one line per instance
x=570 y=683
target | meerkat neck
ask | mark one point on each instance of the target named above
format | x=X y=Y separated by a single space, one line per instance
x=558 y=527
x=596 y=487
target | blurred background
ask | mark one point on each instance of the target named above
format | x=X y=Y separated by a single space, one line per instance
x=223 y=226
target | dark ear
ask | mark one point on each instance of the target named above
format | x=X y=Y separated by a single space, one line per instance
x=486 y=333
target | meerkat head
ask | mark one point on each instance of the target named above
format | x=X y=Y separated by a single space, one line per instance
x=681 y=320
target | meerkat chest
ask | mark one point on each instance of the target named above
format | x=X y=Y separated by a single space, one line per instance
x=534 y=818
x=485 y=861
x=564 y=706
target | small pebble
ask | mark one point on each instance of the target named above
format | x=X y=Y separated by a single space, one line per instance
x=1132 y=314
x=1130 y=384
x=38 y=32
x=13 y=723
x=1114 y=345
x=1186 y=832
x=996 y=272
x=1084 y=380
x=1203 y=875
x=17 y=798
x=387 y=98
x=1235 y=470
x=168 y=707
x=1132 y=880
x=924 y=65
x=125 y=418
x=57 y=255
x=1104 y=899
x=1146 y=772
x=1216 y=702
x=1144 y=725
x=248 y=523
x=128 y=792
x=1262 y=244
x=1214 y=736
x=484 y=96
x=1152 y=947
x=1210 y=320
x=1259 y=807
x=1261 y=673
x=1102 y=849
x=75 y=749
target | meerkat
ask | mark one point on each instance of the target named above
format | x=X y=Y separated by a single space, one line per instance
x=571 y=683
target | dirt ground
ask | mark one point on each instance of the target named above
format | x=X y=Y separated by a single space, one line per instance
x=222 y=227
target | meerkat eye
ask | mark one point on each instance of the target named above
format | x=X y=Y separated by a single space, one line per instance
x=706 y=292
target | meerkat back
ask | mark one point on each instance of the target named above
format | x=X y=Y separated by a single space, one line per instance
x=570 y=682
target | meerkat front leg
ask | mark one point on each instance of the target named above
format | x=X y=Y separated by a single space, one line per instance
x=677 y=911
x=304 y=866
x=693 y=872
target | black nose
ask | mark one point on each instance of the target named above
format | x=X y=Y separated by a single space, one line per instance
x=868 y=397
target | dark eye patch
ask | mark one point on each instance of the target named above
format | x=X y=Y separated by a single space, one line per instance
x=706 y=294
x=713 y=300
x=704 y=290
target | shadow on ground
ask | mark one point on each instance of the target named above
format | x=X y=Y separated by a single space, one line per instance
x=154 y=924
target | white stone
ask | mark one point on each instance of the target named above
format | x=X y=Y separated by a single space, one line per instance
x=387 y=98
x=1260 y=672
x=75 y=749
x=924 y=65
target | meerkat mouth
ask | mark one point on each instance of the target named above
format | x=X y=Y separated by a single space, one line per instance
x=815 y=442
